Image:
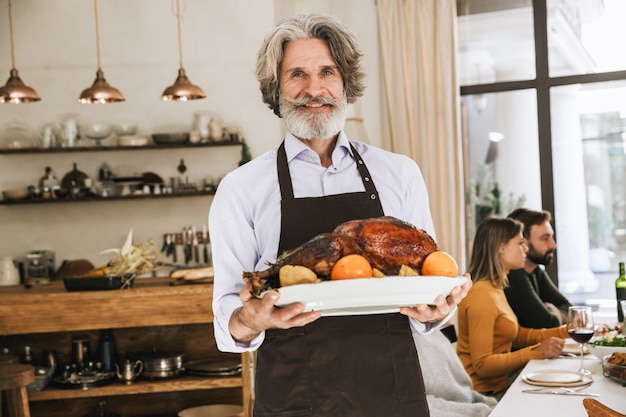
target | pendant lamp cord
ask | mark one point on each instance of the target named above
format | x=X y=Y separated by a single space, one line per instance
x=180 y=42
x=95 y=8
x=11 y=31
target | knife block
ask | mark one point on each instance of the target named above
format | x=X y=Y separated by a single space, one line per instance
x=183 y=252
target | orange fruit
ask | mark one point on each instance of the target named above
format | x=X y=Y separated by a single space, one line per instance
x=351 y=266
x=440 y=263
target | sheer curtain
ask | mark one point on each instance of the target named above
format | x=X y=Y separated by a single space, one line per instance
x=421 y=105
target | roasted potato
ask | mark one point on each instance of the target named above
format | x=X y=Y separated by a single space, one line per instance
x=296 y=274
x=407 y=271
x=377 y=273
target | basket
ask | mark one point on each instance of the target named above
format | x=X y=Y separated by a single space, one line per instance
x=614 y=371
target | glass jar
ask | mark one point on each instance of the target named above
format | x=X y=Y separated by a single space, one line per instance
x=36 y=268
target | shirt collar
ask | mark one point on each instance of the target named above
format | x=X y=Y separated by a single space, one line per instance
x=295 y=148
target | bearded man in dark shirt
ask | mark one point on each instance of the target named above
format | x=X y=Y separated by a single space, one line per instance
x=534 y=298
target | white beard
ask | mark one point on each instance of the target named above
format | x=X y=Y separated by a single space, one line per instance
x=313 y=125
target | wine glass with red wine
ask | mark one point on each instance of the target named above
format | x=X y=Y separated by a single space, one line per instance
x=580 y=328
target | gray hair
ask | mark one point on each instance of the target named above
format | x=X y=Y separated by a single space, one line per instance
x=343 y=45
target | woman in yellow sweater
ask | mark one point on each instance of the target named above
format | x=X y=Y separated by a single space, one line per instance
x=488 y=328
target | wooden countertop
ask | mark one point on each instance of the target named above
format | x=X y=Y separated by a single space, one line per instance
x=150 y=302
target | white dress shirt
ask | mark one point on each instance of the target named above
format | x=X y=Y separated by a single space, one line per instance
x=245 y=215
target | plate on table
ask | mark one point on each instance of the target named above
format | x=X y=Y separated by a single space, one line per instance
x=557 y=378
x=98 y=283
x=368 y=295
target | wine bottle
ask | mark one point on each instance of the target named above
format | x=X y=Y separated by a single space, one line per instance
x=620 y=291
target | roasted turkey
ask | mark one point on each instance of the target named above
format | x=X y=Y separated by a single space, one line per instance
x=387 y=242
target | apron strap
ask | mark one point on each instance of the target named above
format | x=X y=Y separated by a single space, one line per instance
x=284 y=177
x=370 y=188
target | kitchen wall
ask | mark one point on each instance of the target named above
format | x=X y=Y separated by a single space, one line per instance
x=55 y=53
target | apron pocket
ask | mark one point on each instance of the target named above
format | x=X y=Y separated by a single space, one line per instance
x=282 y=383
x=405 y=360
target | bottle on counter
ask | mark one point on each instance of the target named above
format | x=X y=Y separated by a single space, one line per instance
x=107 y=352
x=49 y=179
x=620 y=291
x=27 y=356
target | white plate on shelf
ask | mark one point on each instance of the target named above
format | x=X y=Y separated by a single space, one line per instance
x=557 y=378
x=368 y=295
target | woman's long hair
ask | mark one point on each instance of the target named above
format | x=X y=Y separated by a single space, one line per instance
x=485 y=261
x=343 y=45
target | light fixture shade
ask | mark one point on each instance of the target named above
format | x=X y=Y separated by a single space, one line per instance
x=15 y=91
x=100 y=92
x=182 y=89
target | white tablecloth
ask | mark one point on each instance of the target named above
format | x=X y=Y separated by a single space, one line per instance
x=516 y=403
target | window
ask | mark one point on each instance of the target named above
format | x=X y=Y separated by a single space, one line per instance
x=541 y=88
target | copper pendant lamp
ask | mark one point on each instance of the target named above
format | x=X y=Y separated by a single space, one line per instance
x=100 y=91
x=182 y=89
x=15 y=91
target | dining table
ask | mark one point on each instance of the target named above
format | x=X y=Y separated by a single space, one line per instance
x=517 y=403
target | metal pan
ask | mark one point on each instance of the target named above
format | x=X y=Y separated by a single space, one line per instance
x=214 y=367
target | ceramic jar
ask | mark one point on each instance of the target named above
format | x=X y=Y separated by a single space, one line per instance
x=215 y=130
x=9 y=274
x=201 y=125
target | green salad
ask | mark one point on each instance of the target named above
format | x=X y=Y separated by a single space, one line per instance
x=610 y=336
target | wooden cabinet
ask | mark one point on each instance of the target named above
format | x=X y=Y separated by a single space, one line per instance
x=152 y=313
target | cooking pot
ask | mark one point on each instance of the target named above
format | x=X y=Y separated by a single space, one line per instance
x=159 y=364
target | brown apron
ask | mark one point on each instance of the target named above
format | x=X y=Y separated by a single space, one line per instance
x=363 y=365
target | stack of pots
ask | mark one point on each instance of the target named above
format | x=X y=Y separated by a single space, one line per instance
x=159 y=364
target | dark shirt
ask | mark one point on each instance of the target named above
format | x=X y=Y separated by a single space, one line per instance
x=526 y=294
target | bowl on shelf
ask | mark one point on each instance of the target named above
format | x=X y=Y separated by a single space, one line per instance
x=61 y=192
x=132 y=140
x=170 y=138
x=125 y=128
x=18 y=194
x=18 y=135
x=97 y=131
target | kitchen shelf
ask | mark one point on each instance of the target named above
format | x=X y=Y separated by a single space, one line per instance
x=80 y=149
x=184 y=383
x=94 y=148
x=101 y=199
